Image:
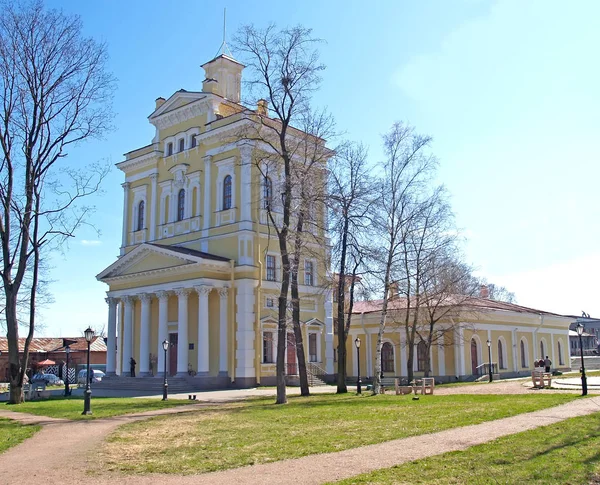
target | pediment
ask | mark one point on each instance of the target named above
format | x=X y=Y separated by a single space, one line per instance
x=152 y=262
x=177 y=100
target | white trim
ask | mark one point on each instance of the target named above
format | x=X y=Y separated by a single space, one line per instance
x=383 y=341
x=526 y=348
x=141 y=175
x=502 y=340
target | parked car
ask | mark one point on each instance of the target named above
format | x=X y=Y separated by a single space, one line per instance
x=97 y=376
x=49 y=379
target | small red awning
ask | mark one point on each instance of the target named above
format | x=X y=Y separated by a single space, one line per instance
x=46 y=362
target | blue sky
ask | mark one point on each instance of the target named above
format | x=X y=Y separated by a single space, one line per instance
x=507 y=89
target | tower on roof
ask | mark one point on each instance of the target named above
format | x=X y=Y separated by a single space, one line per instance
x=223 y=74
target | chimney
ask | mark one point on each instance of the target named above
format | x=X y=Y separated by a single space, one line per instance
x=159 y=102
x=484 y=292
x=393 y=292
x=262 y=107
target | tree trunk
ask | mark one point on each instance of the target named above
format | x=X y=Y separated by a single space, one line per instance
x=304 y=391
x=341 y=300
x=282 y=326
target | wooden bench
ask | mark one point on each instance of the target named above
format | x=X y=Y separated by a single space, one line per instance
x=541 y=379
x=424 y=385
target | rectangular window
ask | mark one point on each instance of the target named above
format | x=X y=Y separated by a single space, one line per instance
x=312 y=347
x=270 y=303
x=193 y=141
x=309 y=273
x=169 y=149
x=271 y=269
x=268 y=347
x=181 y=144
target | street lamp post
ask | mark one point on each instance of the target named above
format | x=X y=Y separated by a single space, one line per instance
x=358 y=381
x=489 y=344
x=87 y=395
x=67 y=390
x=583 y=377
x=165 y=346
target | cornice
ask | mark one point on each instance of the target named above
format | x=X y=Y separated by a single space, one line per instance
x=146 y=160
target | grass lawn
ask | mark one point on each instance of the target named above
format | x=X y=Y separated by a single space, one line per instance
x=12 y=433
x=562 y=453
x=102 y=407
x=237 y=434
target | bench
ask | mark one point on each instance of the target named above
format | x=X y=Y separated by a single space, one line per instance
x=541 y=379
x=424 y=385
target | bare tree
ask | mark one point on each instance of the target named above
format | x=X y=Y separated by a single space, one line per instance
x=284 y=68
x=500 y=293
x=405 y=172
x=351 y=201
x=55 y=92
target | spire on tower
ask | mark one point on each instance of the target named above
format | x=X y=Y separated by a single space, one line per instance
x=224 y=49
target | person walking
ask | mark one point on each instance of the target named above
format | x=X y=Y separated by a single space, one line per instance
x=547 y=364
x=132 y=364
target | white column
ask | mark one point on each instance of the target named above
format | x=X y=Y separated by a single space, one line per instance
x=515 y=350
x=125 y=216
x=203 y=336
x=245 y=182
x=552 y=355
x=182 y=330
x=127 y=335
x=111 y=339
x=328 y=333
x=461 y=357
x=223 y=321
x=119 y=367
x=153 y=195
x=369 y=354
x=163 y=332
x=145 y=298
x=245 y=372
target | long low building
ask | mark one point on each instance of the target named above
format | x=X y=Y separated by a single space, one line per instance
x=464 y=336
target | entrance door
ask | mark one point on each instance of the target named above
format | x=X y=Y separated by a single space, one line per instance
x=292 y=367
x=173 y=354
x=474 y=363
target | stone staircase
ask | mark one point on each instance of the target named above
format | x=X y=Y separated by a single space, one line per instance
x=316 y=375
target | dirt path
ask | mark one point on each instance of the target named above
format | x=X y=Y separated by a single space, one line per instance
x=77 y=440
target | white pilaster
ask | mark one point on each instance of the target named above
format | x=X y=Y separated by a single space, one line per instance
x=163 y=332
x=146 y=299
x=120 y=310
x=182 y=330
x=552 y=354
x=441 y=358
x=125 y=214
x=223 y=321
x=203 y=336
x=127 y=334
x=245 y=330
x=369 y=354
x=515 y=349
x=461 y=343
x=246 y=181
x=111 y=338
x=153 y=195
x=328 y=333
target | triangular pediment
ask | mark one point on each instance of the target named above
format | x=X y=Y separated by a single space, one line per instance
x=148 y=258
x=177 y=100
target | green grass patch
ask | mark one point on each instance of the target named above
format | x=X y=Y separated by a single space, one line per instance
x=562 y=453
x=102 y=407
x=258 y=431
x=12 y=433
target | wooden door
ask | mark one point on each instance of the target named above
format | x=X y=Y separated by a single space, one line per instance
x=474 y=363
x=292 y=367
x=173 y=354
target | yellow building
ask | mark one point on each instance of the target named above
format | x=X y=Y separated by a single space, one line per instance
x=517 y=336
x=198 y=264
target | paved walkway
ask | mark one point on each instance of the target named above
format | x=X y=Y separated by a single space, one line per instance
x=38 y=457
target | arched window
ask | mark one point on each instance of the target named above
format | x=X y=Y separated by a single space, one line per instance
x=181 y=205
x=227 y=193
x=267 y=193
x=560 y=354
x=523 y=356
x=193 y=141
x=140 y=216
x=500 y=355
x=181 y=144
x=169 y=149
x=421 y=356
x=474 y=356
x=387 y=357
x=542 y=353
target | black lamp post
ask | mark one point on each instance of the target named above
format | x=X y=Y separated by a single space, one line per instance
x=358 y=381
x=87 y=395
x=583 y=377
x=165 y=346
x=67 y=390
x=489 y=343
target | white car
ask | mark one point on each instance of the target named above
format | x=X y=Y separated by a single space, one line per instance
x=97 y=376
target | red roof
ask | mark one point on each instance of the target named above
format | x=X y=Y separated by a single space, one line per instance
x=482 y=303
x=43 y=344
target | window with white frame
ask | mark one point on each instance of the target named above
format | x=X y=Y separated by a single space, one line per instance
x=193 y=141
x=421 y=356
x=268 y=348
x=169 y=149
x=309 y=276
x=270 y=302
x=181 y=205
x=387 y=357
x=140 y=215
x=267 y=193
x=227 y=192
x=271 y=268
x=181 y=145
